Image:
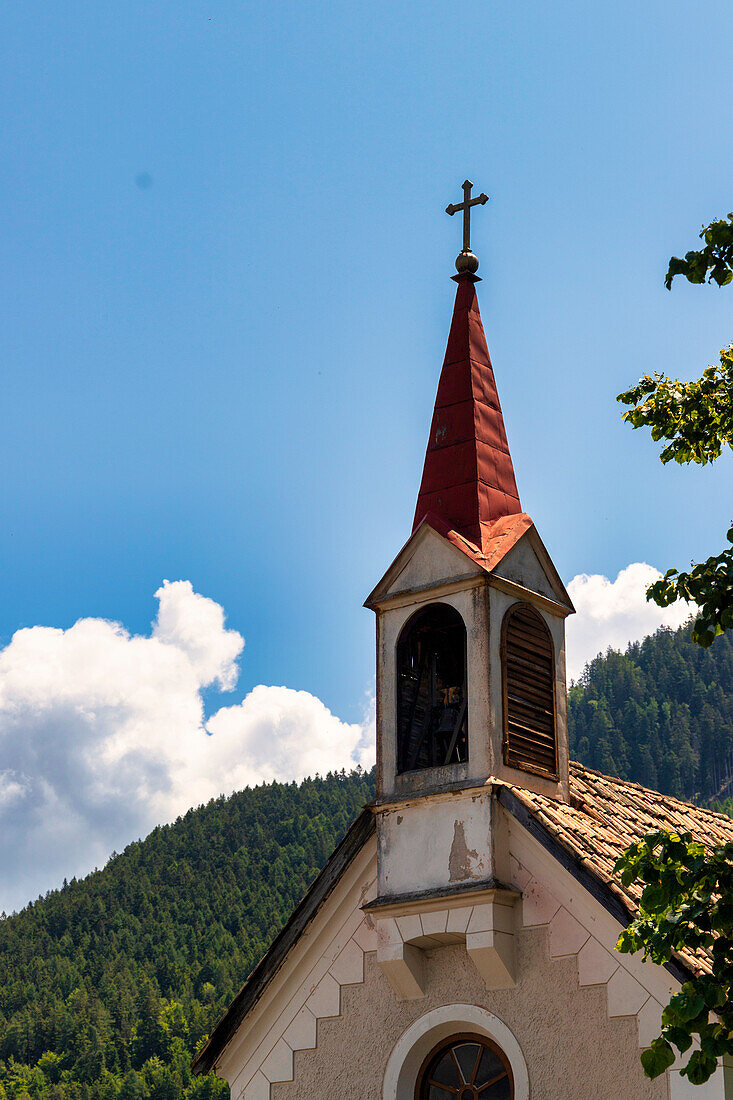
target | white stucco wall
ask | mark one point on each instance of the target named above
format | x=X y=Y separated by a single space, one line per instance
x=572 y=1050
x=431 y=843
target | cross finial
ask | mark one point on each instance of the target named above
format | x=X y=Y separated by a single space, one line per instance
x=466 y=261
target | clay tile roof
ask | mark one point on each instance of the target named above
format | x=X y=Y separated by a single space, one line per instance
x=605 y=815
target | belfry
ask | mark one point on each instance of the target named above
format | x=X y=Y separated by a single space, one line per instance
x=460 y=940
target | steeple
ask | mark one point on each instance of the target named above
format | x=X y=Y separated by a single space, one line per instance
x=470 y=629
x=468 y=479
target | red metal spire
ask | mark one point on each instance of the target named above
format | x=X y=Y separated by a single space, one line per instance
x=468 y=478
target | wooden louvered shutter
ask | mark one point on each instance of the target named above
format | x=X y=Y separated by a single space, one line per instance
x=529 y=692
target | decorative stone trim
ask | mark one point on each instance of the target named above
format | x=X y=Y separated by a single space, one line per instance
x=567 y=937
x=323 y=1003
x=595 y=964
x=302 y=1033
x=406 y=929
x=625 y=996
x=403 y=967
x=649 y=1020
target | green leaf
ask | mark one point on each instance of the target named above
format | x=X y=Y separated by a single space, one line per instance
x=713 y=263
x=688 y=1004
x=658 y=1058
x=700 y=1067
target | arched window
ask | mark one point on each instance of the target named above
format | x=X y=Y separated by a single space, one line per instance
x=529 y=692
x=468 y=1067
x=432 y=720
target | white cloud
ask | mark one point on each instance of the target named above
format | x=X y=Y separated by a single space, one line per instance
x=195 y=625
x=103 y=736
x=12 y=787
x=103 y=733
x=614 y=613
x=284 y=734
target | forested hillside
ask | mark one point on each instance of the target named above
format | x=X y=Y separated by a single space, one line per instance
x=660 y=714
x=107 y=986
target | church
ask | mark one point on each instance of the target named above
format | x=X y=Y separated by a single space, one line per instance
x=460 y=941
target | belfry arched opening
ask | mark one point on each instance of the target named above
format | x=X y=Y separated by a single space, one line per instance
x=432 y=702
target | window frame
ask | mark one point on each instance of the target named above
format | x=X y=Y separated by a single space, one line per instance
x=528 y=767
x=424 y=1034
x=454 y=1040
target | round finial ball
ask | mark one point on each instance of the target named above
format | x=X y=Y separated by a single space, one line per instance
x=466 y=261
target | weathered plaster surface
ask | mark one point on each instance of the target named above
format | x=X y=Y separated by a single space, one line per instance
x=435 y=842
x=429 y=561
x=573 y=1050
x=522 y=566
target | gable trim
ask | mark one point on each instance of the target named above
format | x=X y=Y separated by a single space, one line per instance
x=354 y=840
x=425 y=593
x=549 y=566
x=546 y=565
x=598 y=889
x=381 y=591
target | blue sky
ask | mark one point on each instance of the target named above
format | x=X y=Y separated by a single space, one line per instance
x=225 y=295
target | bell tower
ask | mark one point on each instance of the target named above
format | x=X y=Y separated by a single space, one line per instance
x=471 y=688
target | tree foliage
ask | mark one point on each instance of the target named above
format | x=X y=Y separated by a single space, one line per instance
x=696 y=421
x=713 y=263
x=686 y=904
x=709 y=584
x=695 y=417
x=109 y=985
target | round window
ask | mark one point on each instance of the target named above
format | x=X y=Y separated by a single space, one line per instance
x=466 y=1067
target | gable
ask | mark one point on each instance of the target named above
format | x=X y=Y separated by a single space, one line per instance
x=528 y=564
x=557 y=860
x=427 y=560
x=328 y=1021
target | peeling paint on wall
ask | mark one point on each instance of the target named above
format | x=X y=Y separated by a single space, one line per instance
x=459 y=861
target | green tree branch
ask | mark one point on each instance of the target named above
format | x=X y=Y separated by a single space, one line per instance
x=710 y=586
x=695 y=420
x=713 y=263
x=695 y=417
x=686 y=905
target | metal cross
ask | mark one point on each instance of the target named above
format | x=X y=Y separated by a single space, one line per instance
x=465 y=206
